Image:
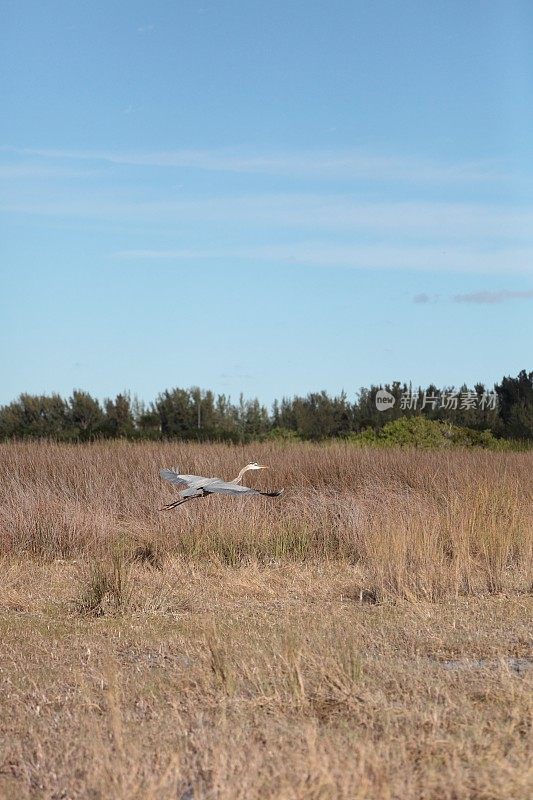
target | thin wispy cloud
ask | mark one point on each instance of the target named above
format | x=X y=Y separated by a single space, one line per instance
x=351 y=256
x=316 y=227
x=323 y=164
x=30 y=171
x=489 y=298
x=421 y=298
x=443 y=222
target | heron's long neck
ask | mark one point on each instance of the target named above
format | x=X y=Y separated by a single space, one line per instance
x=238 y=479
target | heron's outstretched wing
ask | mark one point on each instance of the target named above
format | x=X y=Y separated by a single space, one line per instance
x=221 y=487
x=182 y=480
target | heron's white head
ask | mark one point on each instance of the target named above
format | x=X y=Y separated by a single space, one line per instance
x=255 y=465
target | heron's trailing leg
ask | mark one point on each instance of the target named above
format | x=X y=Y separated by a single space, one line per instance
x=179 y=502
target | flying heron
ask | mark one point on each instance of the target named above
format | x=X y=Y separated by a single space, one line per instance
x=192 y=486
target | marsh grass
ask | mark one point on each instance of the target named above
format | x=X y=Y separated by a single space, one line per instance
x=258 y=683
x=420 y=524
x=288 y=649
x=104 y=586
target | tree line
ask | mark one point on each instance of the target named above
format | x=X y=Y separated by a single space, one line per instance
x=195 y=414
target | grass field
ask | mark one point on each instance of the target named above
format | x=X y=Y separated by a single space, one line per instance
x=366 y=635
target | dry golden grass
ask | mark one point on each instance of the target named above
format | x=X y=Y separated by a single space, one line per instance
x=367 y=635
x=417 y=524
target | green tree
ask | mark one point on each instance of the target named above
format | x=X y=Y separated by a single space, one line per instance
x=515 y=406
x=85 y=414
x=119 y=421
x=177 y=413
x=35 y=416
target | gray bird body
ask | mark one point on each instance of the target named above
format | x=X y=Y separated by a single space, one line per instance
x=192 y=486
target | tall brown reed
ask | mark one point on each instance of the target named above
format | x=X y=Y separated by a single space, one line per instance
x=416 y=523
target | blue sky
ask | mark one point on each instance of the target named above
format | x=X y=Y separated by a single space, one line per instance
x=271 y=198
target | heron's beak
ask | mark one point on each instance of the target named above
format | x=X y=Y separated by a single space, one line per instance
x=263 y=466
